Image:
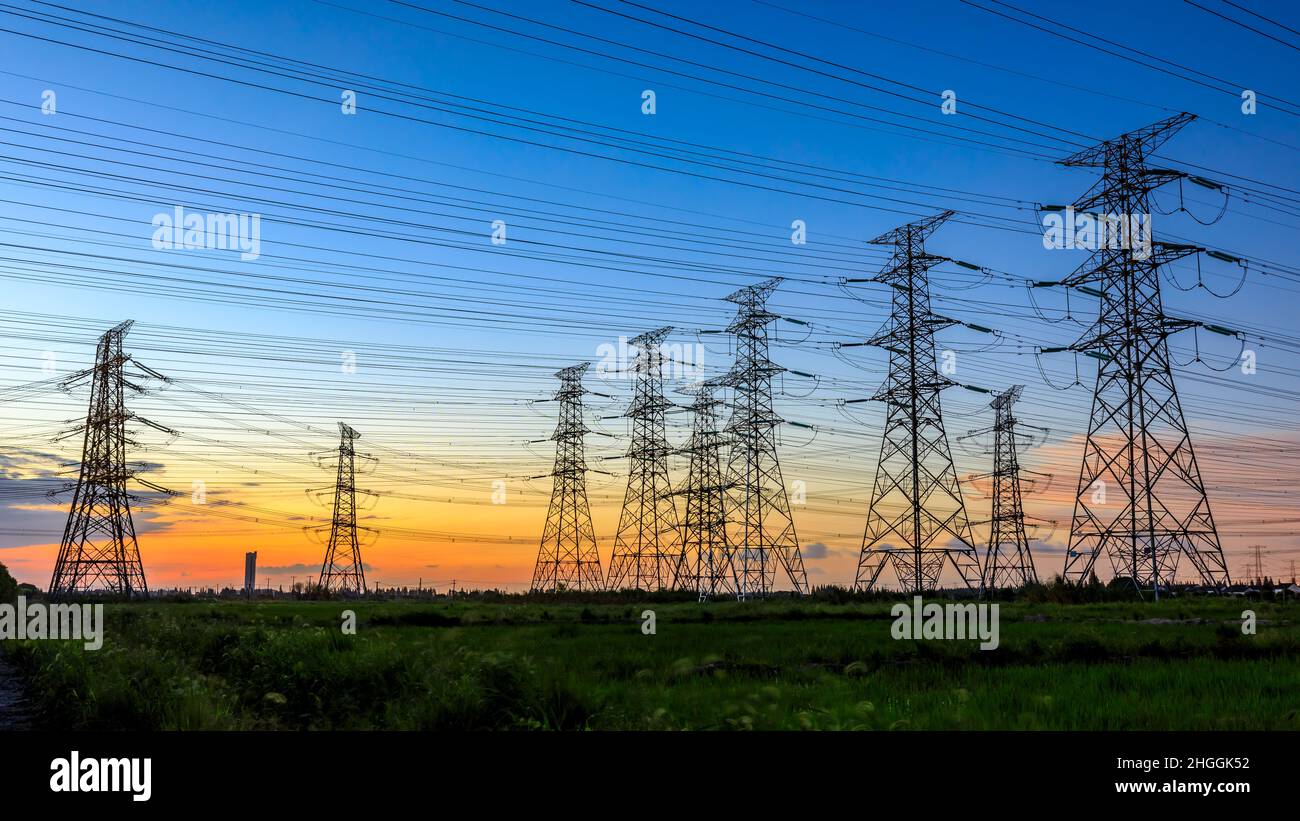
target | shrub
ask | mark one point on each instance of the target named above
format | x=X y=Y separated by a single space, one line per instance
x=8 y=586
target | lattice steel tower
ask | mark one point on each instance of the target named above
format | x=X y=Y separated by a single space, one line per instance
x=758 y=509
x=99 y=552
x=1008 y=562
x=342 y=571
x=568 y=558
x=917 y=522
x=648 y=552
x=704 y=526
x=1140 y=498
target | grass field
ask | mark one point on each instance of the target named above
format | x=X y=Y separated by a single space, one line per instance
x=760 y=665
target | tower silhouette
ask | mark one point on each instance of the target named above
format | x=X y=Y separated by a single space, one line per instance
x=758 y=509
x=704 y=525
x=1008 y=562
x=648 y=552
x=343 y=571
x=568 y=558
x=99 y=552
x=917 y=522
x=1140 y=498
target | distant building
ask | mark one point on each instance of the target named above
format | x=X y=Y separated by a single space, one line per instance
x=250 y=572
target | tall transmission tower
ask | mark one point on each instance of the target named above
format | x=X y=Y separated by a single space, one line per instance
x=342 y=571
x=568 y=558
x=704 y=526
x=1008 y=562
x=1140 y=500
x=758 y=508
x=917 y=522
x=648 y=552
x=99 y=552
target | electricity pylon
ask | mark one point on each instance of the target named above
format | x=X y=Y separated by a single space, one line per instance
x=1008 y=562
x=342 y=571
x=704 y=526
x=568 y=558
x=1140 y=498
x=648 y=552
x=1259 y=552
x=99 y=552
x=758 y=509
x=917 y=522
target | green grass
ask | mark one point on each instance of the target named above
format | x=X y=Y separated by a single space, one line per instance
x=772 y=665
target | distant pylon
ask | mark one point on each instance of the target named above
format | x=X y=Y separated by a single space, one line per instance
x=1259 y=552
x=758 y=509
x=704 y=527
x=1008 y=562
x=343 y=571
x=917 y=522
x=648 y=552
x=99 y=552
x=1140 y=498
x=568 y=558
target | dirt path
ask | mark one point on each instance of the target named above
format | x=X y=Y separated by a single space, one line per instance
x=13 y=707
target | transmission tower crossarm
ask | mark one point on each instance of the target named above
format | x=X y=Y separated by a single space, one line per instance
x=1144 y=140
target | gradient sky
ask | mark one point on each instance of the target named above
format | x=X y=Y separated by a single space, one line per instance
x=455 y=339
